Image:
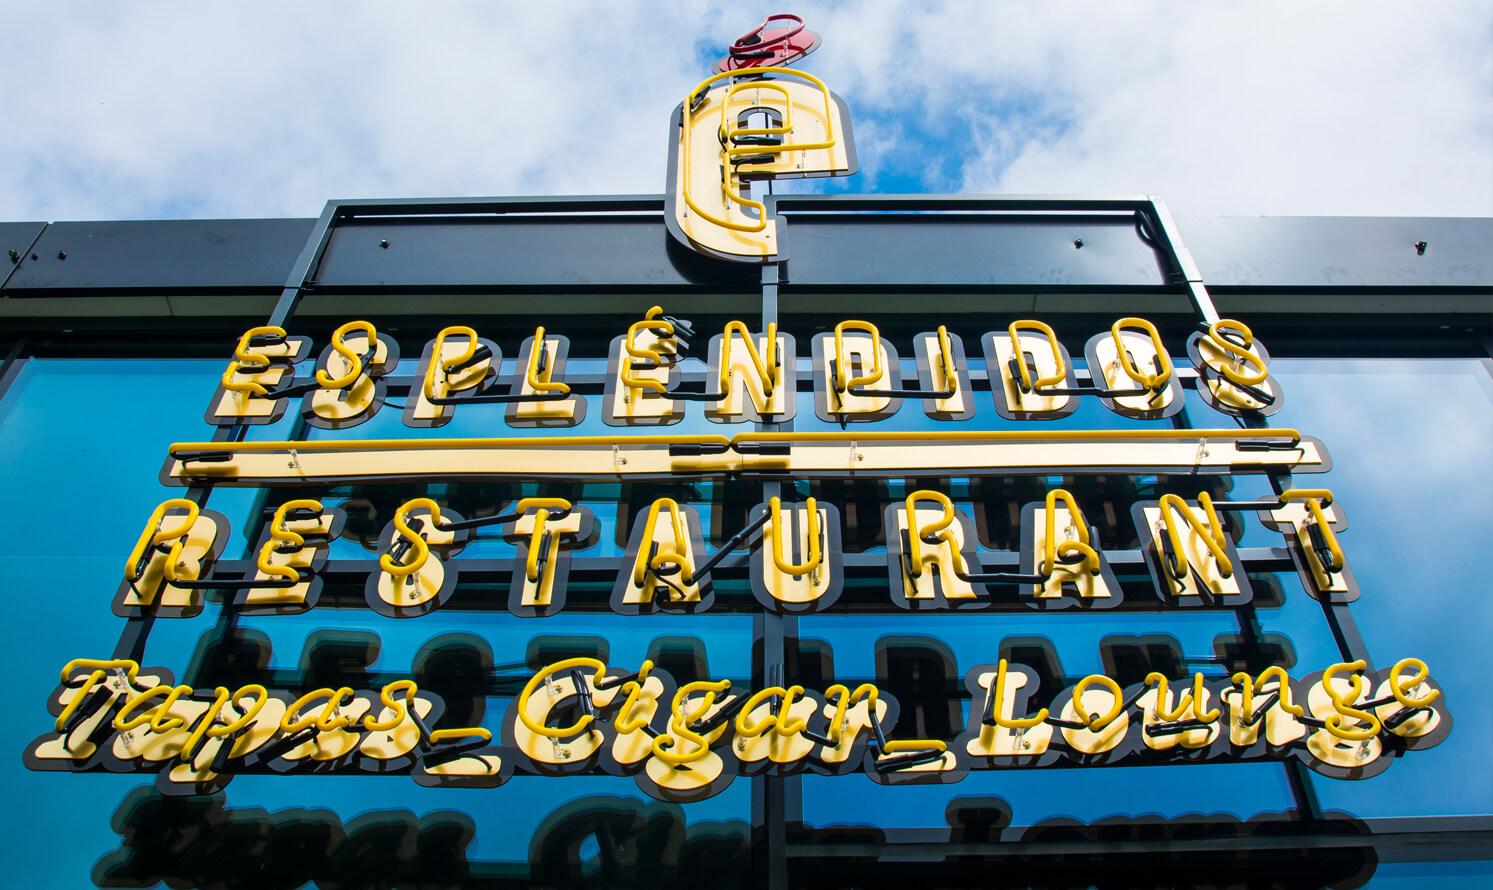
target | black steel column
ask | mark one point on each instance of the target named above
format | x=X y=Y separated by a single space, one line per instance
x=772 y=631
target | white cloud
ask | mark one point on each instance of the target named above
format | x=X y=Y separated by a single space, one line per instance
x=268 y=109
x=1282 y=109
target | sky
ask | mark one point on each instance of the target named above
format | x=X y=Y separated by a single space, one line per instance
x=266 y=109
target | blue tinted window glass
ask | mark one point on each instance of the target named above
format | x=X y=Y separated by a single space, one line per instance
x=89 y=460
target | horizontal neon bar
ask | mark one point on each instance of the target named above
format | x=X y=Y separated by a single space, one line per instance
x=809 y=455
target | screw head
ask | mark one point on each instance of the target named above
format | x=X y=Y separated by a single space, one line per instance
x=61 y=254
x=1077 y=243
x=384 y=243
x=1420 y=248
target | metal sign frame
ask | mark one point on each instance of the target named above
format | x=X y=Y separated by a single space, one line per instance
x=776 y=798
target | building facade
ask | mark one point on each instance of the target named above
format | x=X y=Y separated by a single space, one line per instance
x=961 y=540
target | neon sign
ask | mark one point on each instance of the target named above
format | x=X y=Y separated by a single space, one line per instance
x=746 y=125
x=751 y=376
x=685 y=740
x=933 y=558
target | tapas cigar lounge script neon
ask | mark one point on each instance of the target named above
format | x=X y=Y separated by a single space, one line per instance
x=687 y=741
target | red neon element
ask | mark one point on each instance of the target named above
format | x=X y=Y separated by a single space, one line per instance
x=766 y=45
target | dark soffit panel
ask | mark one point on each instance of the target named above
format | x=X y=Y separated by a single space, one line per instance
x=519 y=252
x=831 y=249
x=961 y=250
x=161 y=256
x=1296 y=252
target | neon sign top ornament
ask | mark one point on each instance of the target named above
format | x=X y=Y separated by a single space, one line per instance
x=779 y=41
x=753 y=121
